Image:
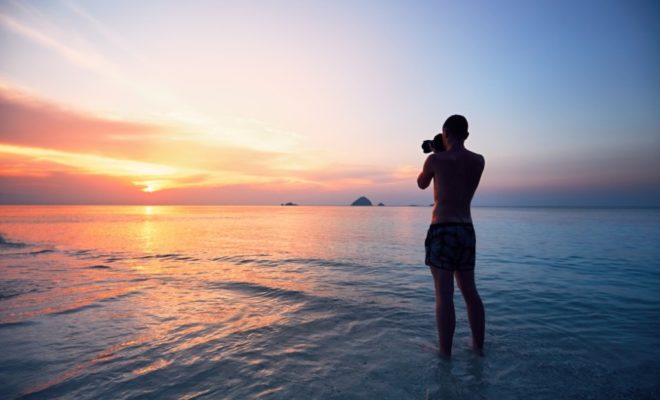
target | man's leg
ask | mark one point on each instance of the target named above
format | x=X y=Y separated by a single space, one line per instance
x=475 y=308
x=444 y=308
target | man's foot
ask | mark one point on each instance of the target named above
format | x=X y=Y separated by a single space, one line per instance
x=445 y=353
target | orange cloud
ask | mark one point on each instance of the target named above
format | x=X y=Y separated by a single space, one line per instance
x=33 y=122
x=40 y=139
x=34 y=132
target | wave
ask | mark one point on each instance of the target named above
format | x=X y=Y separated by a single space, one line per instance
x=29 y=253
x=239 y=259
x=20 y=248
x=260 y=260
x=69 y=304
x=44 y=251
x=99 y=266
x=259 y=290
x=4 y=243
x=17 y=287
x=169 y=256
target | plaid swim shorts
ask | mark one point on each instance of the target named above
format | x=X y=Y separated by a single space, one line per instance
x=451 y=246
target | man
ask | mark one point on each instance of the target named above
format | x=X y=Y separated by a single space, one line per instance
x=450 y=241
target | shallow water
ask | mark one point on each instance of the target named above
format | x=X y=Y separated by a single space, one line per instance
x=321 y=302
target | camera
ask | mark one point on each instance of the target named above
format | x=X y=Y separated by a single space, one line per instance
x=435 y=144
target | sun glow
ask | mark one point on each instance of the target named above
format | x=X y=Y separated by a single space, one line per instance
x=92 y=163
x=151 y=186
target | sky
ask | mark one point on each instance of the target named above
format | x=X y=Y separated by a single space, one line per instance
x=318 y=103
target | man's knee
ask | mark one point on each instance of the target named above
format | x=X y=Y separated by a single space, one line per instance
x=460 y=284
x=465 y=280
x=446 y=295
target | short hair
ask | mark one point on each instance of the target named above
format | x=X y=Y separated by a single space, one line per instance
x=456 y=126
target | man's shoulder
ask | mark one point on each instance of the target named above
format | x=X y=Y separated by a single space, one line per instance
x=450 y=156
x=476 y=156
x=435 y=157
x=441 y=155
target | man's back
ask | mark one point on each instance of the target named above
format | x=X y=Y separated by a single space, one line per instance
x=456 y=175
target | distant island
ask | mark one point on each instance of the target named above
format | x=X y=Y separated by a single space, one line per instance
x=381 y=205
x=362 y=201
x=289 y=204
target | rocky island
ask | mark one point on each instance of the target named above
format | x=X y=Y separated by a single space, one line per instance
x=362 y=201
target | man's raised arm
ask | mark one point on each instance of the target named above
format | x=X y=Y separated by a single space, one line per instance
x=425 y=177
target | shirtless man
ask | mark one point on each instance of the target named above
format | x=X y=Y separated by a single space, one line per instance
x=450 y=241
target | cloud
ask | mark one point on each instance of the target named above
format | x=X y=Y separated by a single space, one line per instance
x=82 y=59
x=149 y=155
x=41 y=139
x=29 y=121
x=26 y=120
x=61 y=187
x=102 y=30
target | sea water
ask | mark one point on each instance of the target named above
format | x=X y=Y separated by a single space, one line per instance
x=322 y=302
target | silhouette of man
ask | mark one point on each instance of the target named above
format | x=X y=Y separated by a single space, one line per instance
x=450 y=241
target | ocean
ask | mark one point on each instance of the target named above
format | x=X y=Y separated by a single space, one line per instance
x=174 y=302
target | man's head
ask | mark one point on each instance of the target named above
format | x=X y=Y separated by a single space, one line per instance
x=456 y=127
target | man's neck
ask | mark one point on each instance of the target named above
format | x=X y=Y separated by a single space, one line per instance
x=454 y=146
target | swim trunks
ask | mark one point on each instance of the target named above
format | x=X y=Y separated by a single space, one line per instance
x=451 y=246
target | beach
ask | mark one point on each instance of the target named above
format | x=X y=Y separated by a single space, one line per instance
x=303 y=302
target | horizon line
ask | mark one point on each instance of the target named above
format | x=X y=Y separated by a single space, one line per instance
x=321 y=205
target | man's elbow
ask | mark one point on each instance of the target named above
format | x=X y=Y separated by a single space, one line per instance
x=422 y=184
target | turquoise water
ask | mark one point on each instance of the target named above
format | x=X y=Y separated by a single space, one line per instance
x=322 y=302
